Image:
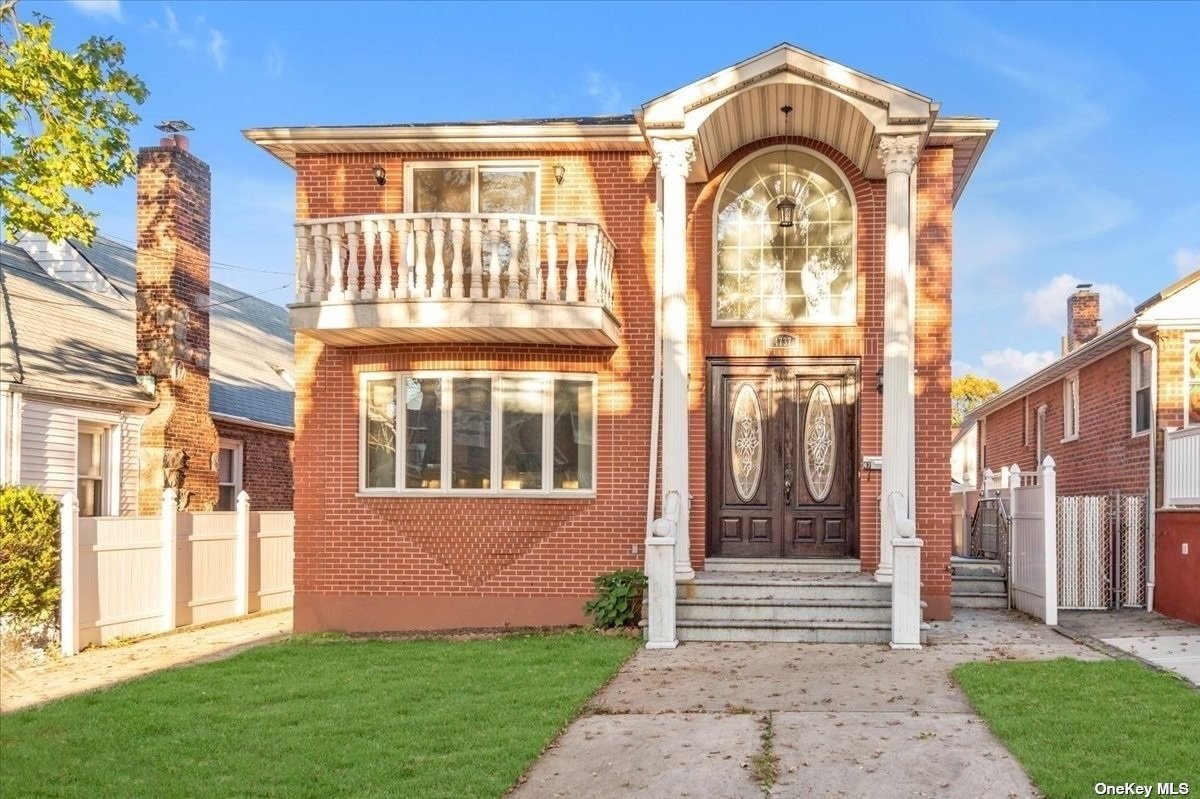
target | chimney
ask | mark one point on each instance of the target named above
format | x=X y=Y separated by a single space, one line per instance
x=178 y=439
x=1083 y=317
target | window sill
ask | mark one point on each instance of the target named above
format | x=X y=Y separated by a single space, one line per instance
x=1139 y=434
x=1069 y=439
x=468 y=494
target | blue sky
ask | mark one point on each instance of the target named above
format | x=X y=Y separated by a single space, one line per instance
x=1094 y=174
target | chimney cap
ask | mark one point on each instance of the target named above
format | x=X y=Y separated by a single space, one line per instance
x=1083 y=286
x=174 y=126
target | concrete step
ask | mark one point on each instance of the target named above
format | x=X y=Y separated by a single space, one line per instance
x=975 y=567
x=783 y=586
x=784 y=610
x=813 y=632
x=785 y=565
x=978 y=585
x=979 y=601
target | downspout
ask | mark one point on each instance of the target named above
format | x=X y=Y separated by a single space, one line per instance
x=656 y=375
x=1153 y=437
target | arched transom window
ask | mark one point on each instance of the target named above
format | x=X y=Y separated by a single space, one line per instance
x=801 y=274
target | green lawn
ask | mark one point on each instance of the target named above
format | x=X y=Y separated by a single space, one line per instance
x=316 y=716
x=1073 y=724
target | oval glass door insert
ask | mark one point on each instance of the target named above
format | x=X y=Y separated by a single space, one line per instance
x=820 y=445
x=745 y=438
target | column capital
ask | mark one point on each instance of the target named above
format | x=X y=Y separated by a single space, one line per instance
x=673 y=157
x=899 y=153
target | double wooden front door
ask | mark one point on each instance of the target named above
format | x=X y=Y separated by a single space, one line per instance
x=783 y=458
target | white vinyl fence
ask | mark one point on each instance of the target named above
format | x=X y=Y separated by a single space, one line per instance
x=1181 y=467
x=1034 y=571
x=124 y=575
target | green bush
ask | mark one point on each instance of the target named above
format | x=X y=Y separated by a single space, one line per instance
x=29 y=589
x=618 y=601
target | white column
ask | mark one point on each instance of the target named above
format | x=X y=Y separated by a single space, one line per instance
x=166 y=571
x=674 y=157
x=241 y=556
x=898 y=155
x=69 y=575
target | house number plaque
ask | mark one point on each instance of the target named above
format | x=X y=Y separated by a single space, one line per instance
x=781 y=341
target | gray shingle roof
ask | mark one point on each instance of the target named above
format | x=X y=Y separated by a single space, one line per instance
x=80 y=342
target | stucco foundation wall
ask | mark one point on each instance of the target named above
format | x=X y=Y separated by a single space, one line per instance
x=1177 y=576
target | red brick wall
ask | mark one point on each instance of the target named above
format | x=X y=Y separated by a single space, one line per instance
x=266 y=464
x=1177 y=576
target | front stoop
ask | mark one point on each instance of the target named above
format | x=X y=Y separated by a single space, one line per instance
x=745 y=600
x=977 y=583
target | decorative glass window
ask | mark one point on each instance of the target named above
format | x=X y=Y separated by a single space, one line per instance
x=468 y=188
x=1071 y=408
x=229 y=474
x=766 y=273
x=490 y=433
x=1140 y=386
x=92 y=470
x=1191 y=376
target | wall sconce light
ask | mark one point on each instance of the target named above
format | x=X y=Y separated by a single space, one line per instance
x=560 y=172
x=380 y=174
x=879 y=380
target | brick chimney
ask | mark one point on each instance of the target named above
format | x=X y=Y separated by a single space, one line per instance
x=1083 y=317
x=178 y=439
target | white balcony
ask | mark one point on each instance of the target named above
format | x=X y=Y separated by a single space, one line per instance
x=432 y=278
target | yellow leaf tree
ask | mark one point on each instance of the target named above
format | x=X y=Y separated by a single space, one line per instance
x=967 y=392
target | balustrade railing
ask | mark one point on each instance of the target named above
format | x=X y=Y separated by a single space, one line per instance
x=454 y=256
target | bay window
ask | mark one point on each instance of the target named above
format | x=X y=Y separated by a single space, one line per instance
x=478 y=433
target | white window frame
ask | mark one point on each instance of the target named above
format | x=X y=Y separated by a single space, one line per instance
x=238 y=448
x=850 y=320
x=1071 y=415
x=1135 y=354
x=110 y=461
x=497 y=490
x=1189 y=340
x=496 y=165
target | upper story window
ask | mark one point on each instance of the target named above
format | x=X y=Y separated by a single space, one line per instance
x=1071 y=408
x=472 y=188
x=1140 y=388
x=798 y=275
x=1191 y=374
x=480 y=433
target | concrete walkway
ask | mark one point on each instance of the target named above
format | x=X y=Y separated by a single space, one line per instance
x=105 y=666
x=846 y=720
x=1152 y=637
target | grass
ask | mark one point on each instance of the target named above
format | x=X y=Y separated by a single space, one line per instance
x=764 y=766
x=1074 y=724
x=316 y=716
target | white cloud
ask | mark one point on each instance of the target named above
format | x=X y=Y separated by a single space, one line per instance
x=274 y=61
x=98 y=8
x=172 y=20
x=218 y=47
x=1007 y=366
x=1187 y=261
x=602 y=88
x=1047 y=304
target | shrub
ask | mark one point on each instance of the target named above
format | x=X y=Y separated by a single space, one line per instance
x=618 y=601
x=29 y=589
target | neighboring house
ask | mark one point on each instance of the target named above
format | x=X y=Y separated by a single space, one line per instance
x=487 y=316
x=109 y=385
x=1118 y=412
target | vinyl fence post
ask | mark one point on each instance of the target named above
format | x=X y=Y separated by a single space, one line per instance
x=241 y=556
x=1048 y=484
x=68 y=521
x=167 y=577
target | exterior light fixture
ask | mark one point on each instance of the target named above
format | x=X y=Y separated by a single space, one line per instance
x=560 y=172
x=380 y=174
x=787 y=206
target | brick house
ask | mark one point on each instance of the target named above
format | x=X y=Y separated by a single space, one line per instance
x=1118 y=412
x=514 y=340
x=124 y=369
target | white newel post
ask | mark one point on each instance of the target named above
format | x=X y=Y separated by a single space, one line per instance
x=898 y=154
x=166 y=567
x=1048 y=483
x=241 y=556
x=906 y=578
x=660 y=574
x=69 y=574
x=674 y=157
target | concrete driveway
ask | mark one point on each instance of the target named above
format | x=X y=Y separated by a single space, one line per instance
x=1160 y=640
x=844 y=720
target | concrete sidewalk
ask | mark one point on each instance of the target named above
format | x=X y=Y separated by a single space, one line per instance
x=105 y=666
x=846 y=720
x=1152 y=637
